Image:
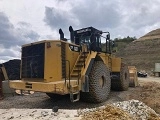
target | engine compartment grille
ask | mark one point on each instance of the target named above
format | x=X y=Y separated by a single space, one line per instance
x=33 y=61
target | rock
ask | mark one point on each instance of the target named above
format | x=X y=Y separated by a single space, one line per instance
x=55 y=109
x=44 y=113
x=55 y=114
x=31 y=115
x=130 y=110
x=34 y=111
x=136 y=108
x=67 y=116
x=11 y=117
x=76 y=115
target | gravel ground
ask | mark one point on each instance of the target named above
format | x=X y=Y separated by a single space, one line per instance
x=42 y=101
x=43 y=104
x=126 y=110
x=40 y=114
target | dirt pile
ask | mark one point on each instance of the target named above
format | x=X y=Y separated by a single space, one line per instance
x=13 y=69
x=138 y=110
x=126 y=110
x=109 y=112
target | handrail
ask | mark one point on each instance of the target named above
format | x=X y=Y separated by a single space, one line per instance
x=83 y=63
x=84 y=59
x=69 y=71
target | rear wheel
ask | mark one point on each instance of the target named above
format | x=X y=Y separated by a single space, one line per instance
x=99 y=83
x=122 y=83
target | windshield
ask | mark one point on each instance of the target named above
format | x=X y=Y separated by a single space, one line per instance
x=85 y=39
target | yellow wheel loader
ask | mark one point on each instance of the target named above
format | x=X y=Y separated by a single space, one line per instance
x=82 y=67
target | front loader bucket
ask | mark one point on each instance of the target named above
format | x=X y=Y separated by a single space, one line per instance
x=133 y=76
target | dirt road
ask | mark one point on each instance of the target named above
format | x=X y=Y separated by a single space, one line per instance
x=149 y=79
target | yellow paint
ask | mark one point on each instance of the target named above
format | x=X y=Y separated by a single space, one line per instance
x=53 y=80
x=116 y=64
x=111 y=61
x=53 y=64
x=72 y=57
x=88 y=60
x=54 y=87
x=105 y=58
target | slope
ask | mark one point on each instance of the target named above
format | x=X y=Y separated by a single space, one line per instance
x=144 y=52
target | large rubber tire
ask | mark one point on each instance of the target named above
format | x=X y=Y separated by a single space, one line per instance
x=54 y=97
x=122 y=83
x=99 y=84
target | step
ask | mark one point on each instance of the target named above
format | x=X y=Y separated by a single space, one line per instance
x=76 y=70
x=75 y=99
x=74 y=75
x=75 y=86
x=82 y=56
x=79 y=65
x=85 y=53
x=74 y=78
x=74 y=93
x=81 y=61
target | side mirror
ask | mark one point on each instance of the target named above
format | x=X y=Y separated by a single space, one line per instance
x=108 y=36
x=114 y=47
x=113 y=44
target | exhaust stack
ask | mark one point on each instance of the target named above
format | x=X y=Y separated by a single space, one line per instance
x=71 y=34
x=62 y=35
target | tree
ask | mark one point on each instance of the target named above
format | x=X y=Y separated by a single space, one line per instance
x=121 y=43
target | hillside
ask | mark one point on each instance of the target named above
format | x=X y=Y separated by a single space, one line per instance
x=144 y=52
x=153 y=35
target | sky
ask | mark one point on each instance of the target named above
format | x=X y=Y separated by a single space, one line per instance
x=26 y=21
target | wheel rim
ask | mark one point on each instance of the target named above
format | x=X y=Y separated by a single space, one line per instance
x=125 y=76
x=102 y=81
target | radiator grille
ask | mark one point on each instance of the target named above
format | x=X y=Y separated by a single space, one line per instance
x=33 y=61
x=63 y=53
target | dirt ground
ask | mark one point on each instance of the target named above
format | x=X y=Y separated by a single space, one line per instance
x=148 y=92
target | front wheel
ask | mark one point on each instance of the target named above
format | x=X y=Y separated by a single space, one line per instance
x=99 y=83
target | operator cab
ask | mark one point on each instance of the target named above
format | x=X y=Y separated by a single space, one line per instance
x=91 y=37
